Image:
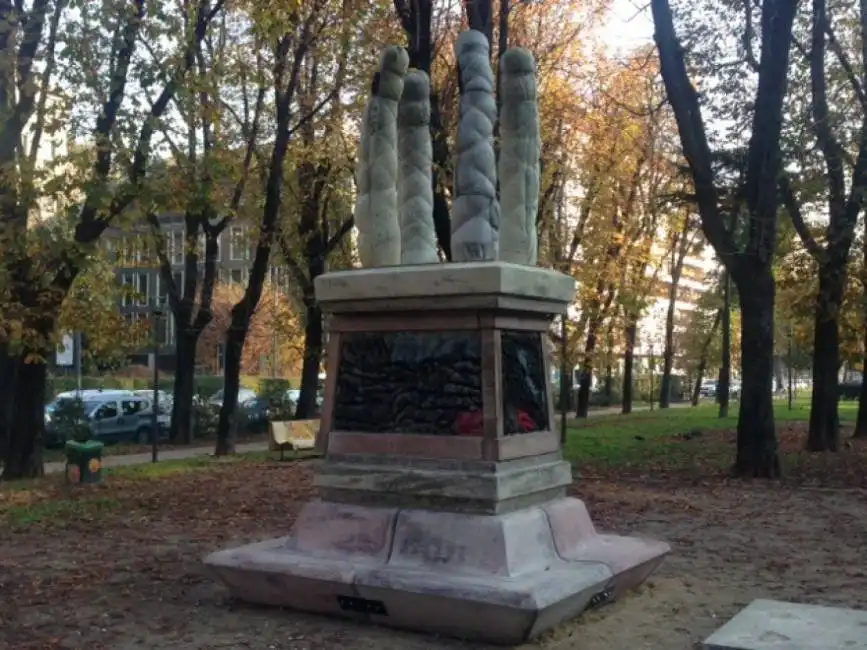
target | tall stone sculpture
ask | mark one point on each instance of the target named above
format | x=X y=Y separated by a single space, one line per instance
x=475 y=211
x=520 y=148
x=415 y=157
x=376 y=205
x=443 y=501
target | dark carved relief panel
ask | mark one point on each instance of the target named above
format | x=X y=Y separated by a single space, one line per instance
x=409 y=382
x=525 y=386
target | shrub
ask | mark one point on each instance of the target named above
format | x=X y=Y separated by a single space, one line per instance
x=69 y=420
x=207 y=385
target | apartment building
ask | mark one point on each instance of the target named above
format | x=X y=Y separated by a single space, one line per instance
x=137 y=270
x=695 y=280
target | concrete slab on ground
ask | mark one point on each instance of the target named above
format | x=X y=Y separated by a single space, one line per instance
x=776 y=625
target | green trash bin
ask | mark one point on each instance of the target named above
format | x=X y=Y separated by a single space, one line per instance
x=84 y=462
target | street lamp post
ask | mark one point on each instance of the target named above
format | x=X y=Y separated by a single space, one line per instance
x=564 y=382
x=789 y=365
x=78 y=352
x=155 y=422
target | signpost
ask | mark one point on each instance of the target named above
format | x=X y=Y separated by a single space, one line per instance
x=155 y=426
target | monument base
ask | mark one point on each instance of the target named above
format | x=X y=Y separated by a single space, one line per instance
x=500 y=578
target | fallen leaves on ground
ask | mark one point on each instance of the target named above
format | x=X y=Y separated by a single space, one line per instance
x=119 y=565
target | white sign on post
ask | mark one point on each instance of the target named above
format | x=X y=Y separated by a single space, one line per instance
x=66 y=351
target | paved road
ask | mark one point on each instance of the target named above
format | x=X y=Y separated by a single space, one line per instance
x=192 y=452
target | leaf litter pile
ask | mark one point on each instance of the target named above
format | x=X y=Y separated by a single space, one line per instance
x=119 y=566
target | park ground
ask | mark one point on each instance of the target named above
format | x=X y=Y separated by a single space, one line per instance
x=119 y=565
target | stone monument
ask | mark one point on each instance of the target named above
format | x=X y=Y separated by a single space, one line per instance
x=443 y=502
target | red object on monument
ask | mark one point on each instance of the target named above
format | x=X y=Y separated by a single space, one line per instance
x=472 y=423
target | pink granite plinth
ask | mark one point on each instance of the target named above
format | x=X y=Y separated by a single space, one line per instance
x=496 y=578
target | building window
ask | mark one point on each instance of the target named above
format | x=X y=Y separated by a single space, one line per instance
x=111 y=250
x=170 y=328
x=178 y=278
x=203 y=249
x=162 y=289
x=237 y=276
x=163 y=330
x=125 y=255
x=239 y=249
x=141 y=289
x=126 y=289
x=175 y=245
x=141 y=255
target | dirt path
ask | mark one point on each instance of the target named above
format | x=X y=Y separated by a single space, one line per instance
x=132 y=579
x=120 y=460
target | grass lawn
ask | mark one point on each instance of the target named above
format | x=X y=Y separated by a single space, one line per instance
x=126 y=449
x=696 y=443
x=50 y=501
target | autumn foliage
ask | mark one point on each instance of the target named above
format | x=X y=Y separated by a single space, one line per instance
x=273 y=326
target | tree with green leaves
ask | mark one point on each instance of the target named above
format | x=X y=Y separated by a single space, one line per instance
x=102 y=60
x=828 y=174
x=750 y=266
x=206 y=179
x=288 y=38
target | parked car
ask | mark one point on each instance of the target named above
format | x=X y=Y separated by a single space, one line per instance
x=165 y=398
x=850 y=390
x=735 y=389
x=294 y=394
x=111 y=416
x=94 y=393
x=708 y=388
x=244 y=395
x=257 y=414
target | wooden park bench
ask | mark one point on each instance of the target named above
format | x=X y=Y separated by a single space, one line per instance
x=294 y=434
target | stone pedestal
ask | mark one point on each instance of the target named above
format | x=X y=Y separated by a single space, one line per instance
x=442 y=491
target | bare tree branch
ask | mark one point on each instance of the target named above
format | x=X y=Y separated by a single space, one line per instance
x=793 y=207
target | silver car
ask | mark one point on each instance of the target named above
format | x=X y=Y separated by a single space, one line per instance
x=111 y=416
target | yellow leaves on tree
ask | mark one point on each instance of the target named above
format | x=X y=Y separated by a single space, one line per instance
x=91 y=308
x=273 y=327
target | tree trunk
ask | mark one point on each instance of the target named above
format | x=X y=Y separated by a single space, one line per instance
x=185 y=376
x=24 y=453
x=668 y=352
x=416 y=19
x=699 y=376
x=778 y=374
x=861 y=420
x=702 y=362
x=235 y=338
x=628 y=365
x=824 y=432
x=313 y=339
x=565 y=389
x=723 y=388
x=583 y=406
x=757 y=452
x=7 y=383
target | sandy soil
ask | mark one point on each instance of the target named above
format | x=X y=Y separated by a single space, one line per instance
x=131 y=578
